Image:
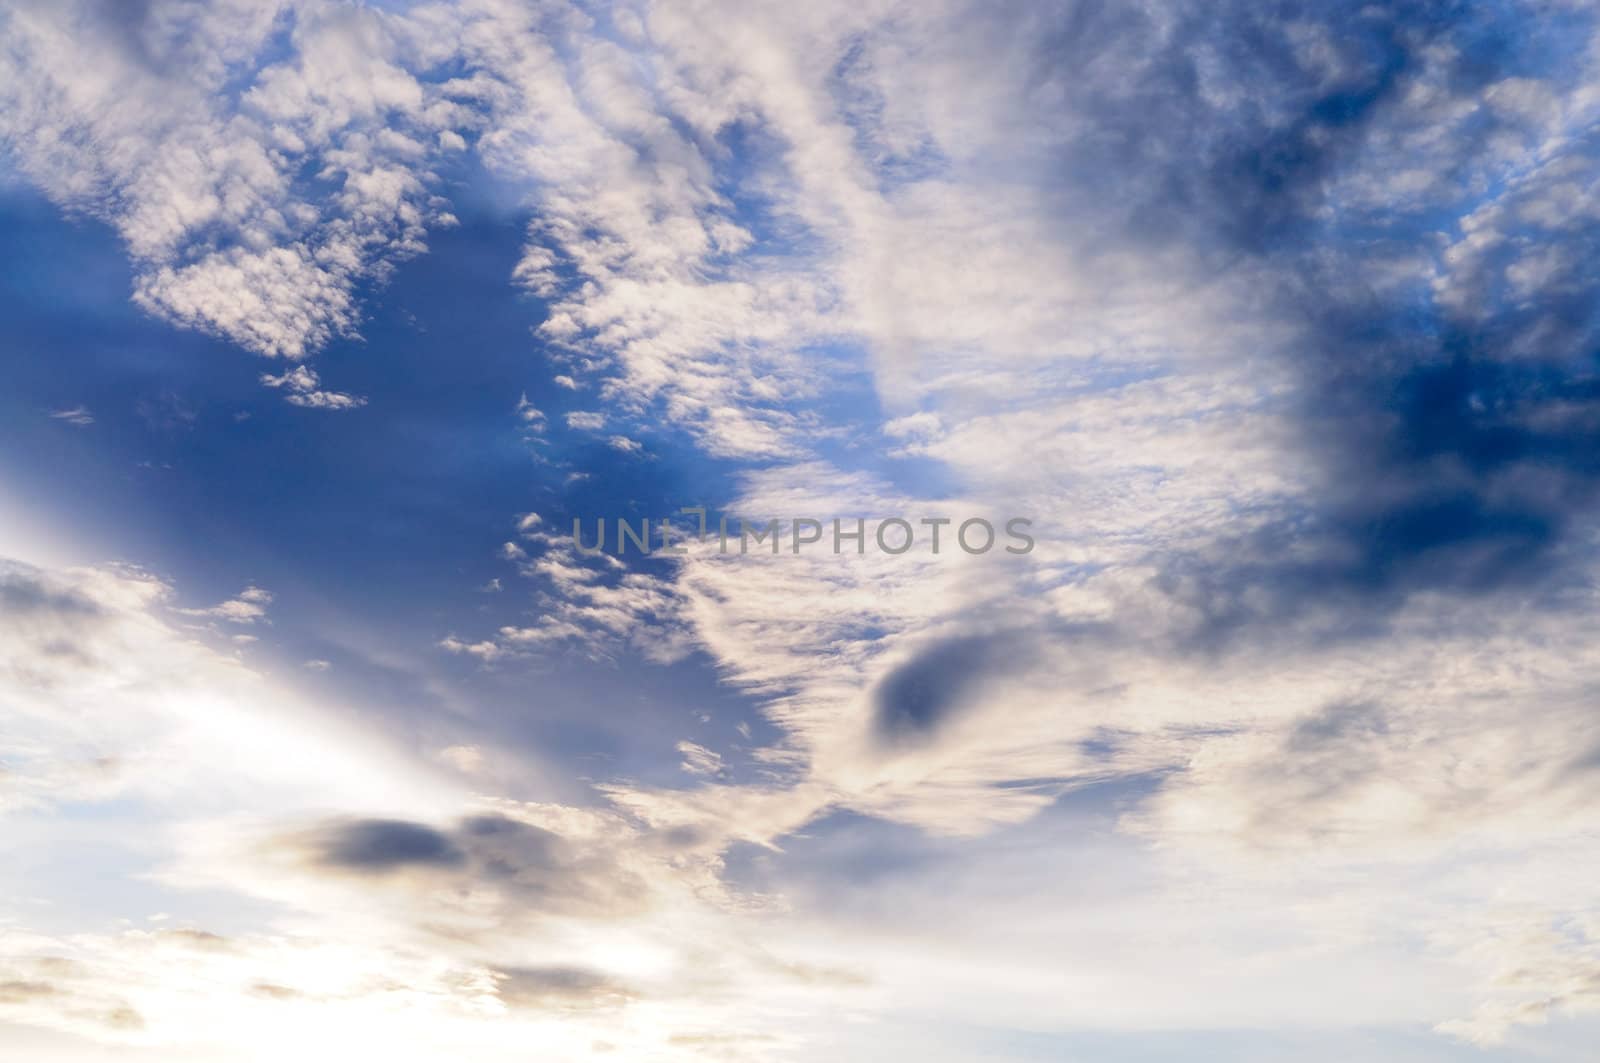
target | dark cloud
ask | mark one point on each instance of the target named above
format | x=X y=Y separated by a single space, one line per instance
x=50 y=627
x=536 y=870
x=24 y=591
x=1337 y=725
x=1214 y=124
x=917 y=697
x=1449 y=406
x=561 y=988
x=380 y=845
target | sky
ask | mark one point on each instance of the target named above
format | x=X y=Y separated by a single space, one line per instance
x=1269 y=733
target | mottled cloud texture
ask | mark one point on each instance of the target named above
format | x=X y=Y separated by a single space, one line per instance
x=1278 y=321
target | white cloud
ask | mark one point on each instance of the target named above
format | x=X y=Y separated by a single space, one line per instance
x=373 y=899
x=78 y=416
x=698 y=760
x=78 y=641
x=249 y=606
x=483 y=650
x=530 y=415
x=586 y=421
x=303 y=387
x=889 y=211
x=255 y=190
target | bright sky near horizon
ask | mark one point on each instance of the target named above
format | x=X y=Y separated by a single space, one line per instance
x=321 y=322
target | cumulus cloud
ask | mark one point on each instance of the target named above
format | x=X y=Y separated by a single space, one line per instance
x=260 y=161
x=586 y=421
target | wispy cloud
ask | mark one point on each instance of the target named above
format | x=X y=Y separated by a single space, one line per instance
x=74 y=415
x=249 y=606
x=303 y=389
x=1279 y=329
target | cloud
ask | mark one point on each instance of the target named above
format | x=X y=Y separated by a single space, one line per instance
x=303 y=387
x=544 y=988
x=586 y=421
x=485 y=649
x=78 y=416
x=1447 y=418
x=593 y=603
x=698 y=760
x=1271 y=342
x=261 y=162
x=75 y=640
x=530 y=416
x=538 y=871
x=1278 y=328
x=914 y=700
x=386 y=890
x=250 y=606
x=380 y=845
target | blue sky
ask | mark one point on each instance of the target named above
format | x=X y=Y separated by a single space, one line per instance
x=323 y=321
